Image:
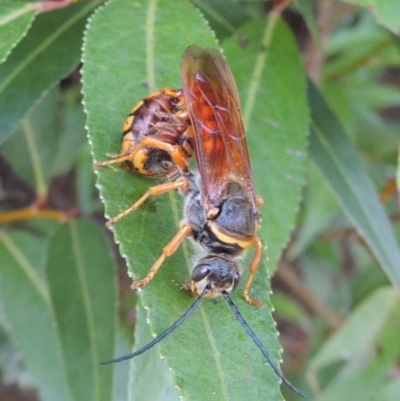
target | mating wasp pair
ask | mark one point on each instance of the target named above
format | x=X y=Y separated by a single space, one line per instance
x=221 y=212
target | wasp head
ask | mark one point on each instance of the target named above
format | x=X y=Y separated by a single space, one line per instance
x=218 y=273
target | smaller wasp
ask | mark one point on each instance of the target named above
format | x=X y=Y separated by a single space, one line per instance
x=156 y=138
x=156 y=142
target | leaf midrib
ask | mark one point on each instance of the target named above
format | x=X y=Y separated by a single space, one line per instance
x=16 y=14
x=87 y=302
x=150 y=25
x=26 y=267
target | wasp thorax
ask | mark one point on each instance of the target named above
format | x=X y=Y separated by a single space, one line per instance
x=217 y=272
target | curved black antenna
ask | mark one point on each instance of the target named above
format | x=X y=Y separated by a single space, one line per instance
x=163 y=334
x=251 y=333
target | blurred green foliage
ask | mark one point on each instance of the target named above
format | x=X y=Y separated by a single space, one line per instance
x=325 y=160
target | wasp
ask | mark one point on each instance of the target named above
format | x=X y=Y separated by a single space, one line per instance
x=157 y=141
x=221 y=209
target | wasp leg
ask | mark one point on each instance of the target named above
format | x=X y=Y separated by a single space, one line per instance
x=259 y=200
x=156 y=190
x=116 y=159
x=176 y=153
x=255 y=263
x=185 y=231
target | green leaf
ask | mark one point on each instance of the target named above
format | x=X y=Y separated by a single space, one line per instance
x=288 y=308
x=122 y=370
x=272 y=88
x=72 y=139
x=306 y=9
x=368 y=345
x=16 y=18
x=149 y=366
x=224 y=16
x=36 y=138
x=360 y=386
x=398 y=169
x=85 y=183
x=362 y=45
x=65 y=325
x=318 y=210
x=356 y=338
x=386 y=12
x=341 y=167
x=375 y=95
x=23 y=288
x=210 y=354
x=81 y=281
x=49 y=139
x=390 y=392
x=48 y=53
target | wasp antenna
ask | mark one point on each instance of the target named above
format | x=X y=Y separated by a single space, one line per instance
x=164 y=334
x=254 y=337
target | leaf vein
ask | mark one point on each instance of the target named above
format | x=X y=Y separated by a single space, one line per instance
x=87 y=301
x=26 y=267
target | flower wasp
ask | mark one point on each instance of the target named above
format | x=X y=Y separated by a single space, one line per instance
x=221 y=209
x=156 y=138
x=156 y=141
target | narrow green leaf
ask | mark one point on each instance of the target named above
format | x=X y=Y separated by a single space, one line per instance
x=375 y=95
x=386 y=12
x=361 y=385
x=341 y=167
x=85 y=182
x=72 y=139
x=306 y=9
x=288 y=308
x=318 y=210
x=36 y=138
x=82 y=288
x=390 y=392
x=65 y=329
x=225 y=16
x=122 y=370
x=47 y=54
x=210 y=355
x=366 y=375
x=49 y=139
x=23 y=289
x=398 y=169
x=363 y=45
x=358 y=335
x=15 y=19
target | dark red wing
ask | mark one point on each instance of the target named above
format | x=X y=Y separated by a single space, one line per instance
x=214 y=107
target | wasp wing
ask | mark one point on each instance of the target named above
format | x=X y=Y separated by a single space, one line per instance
x=214 y=108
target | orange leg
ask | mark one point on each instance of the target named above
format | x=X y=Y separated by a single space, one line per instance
x=185 y=231
x=115 y=159
x=177 y=154
x=156 y=190
x=255 y=263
